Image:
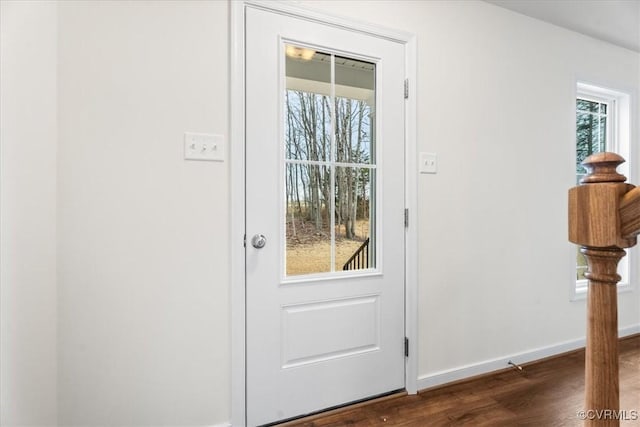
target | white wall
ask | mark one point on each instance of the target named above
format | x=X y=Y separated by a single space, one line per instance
x=142 y=273
x=143 y=278
x=28 y=131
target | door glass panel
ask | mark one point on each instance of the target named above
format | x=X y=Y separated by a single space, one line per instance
x=354 y=105
x=308 y=104
x=354 y=199
x=308 y=226
x=330 y=162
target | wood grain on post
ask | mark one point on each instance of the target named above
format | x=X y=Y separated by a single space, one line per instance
x=630 y=213
x=599 y=210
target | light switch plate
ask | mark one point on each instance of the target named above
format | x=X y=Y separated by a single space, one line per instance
x=428 y=163
x=203 y=146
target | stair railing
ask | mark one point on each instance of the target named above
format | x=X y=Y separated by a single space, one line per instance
x=604 y=218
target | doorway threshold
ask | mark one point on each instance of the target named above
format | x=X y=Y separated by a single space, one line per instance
x=308 y=419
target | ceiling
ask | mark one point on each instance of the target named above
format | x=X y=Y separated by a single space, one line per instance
x=614 y=21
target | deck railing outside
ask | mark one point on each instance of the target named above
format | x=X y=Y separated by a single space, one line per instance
x=360 y=259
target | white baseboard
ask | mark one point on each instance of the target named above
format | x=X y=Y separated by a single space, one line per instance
x=631 y=330
x=468 y=371
x=222 y=425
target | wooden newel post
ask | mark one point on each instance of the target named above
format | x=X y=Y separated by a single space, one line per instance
x=595 y=223
x=601 y=358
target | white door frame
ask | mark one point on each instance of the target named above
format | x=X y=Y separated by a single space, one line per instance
x=237 y=188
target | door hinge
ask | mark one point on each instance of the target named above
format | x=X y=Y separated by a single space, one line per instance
x=406 y=88
x=406 y=218
x=244 y=241
x=406 y=347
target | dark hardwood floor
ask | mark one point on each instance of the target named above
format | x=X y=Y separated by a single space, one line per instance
x=545 y=393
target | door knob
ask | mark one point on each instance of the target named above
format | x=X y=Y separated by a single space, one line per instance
x=258 y=241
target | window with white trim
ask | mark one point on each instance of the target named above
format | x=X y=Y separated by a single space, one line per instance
x=602 y=124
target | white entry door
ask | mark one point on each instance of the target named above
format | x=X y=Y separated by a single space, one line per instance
x=324 y=216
